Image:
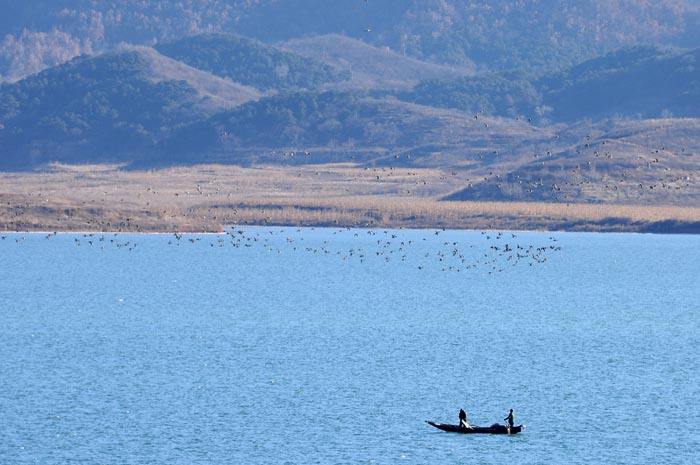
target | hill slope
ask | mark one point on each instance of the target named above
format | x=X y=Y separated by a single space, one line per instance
x=338 y=126
x=490 y=94
x=100 y=108
x=637 y=162
x=644 y=82
x=250 y=62
x=370 y=67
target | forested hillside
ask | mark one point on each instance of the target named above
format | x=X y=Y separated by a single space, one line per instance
x=136 y=105
x=251 y=62
x=490 y=94
x=106 y=108
x=530 y=35
x=638 y=82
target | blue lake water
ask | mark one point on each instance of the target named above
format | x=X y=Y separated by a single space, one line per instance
x=328 y=346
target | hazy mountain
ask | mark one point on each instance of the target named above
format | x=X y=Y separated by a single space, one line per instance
x=322 y=126
x=101 y=108
x=504 y=34
x=644 y=82
x=251 y=62
x=639 y=82
x=139 y=106
x=532 y=35
x=491 y=94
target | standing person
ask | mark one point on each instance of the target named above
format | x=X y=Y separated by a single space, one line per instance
x=509 y=418
x=463 y=423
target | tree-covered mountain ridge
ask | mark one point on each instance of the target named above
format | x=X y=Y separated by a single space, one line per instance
x=642 y=82
x=528 y=35
x=131 y=103
x=634 y=110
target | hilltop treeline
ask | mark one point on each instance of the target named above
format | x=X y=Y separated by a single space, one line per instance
x=100 y=108
x=530 y=35
x=250 y=62
x=643 y=82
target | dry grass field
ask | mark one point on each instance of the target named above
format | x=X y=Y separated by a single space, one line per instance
x=207 y=198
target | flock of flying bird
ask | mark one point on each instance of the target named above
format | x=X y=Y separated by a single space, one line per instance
x=587 y=171
x=433 y=250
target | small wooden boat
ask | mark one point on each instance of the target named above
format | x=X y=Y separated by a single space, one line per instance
x=493 y=429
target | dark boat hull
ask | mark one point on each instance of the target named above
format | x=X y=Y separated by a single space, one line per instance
x=493 y=429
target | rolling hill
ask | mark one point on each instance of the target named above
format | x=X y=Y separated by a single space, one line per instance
x=340 y=126
x=371 y=67
x=625 y=161
x=595 y=131
x=250 y=62
x=101 y=108
x=639 y=82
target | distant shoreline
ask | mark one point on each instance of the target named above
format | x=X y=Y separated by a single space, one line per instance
x=208 y=198
x=658 y=228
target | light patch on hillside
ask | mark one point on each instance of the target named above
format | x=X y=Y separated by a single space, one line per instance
x=31 y=52
x=371 y=67
x=216 y=93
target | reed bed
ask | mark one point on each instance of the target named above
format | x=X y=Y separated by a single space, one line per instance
x=208 y=198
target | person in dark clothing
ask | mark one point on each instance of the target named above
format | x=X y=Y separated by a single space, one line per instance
x=463 y=419
x=510 y=418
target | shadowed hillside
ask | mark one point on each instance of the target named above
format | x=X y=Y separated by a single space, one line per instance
x=639 y=82
x=102 y=108
x=342 y=125
x=490 y=94
x=250 y=62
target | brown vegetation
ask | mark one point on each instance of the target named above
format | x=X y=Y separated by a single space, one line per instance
x=208 y=197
